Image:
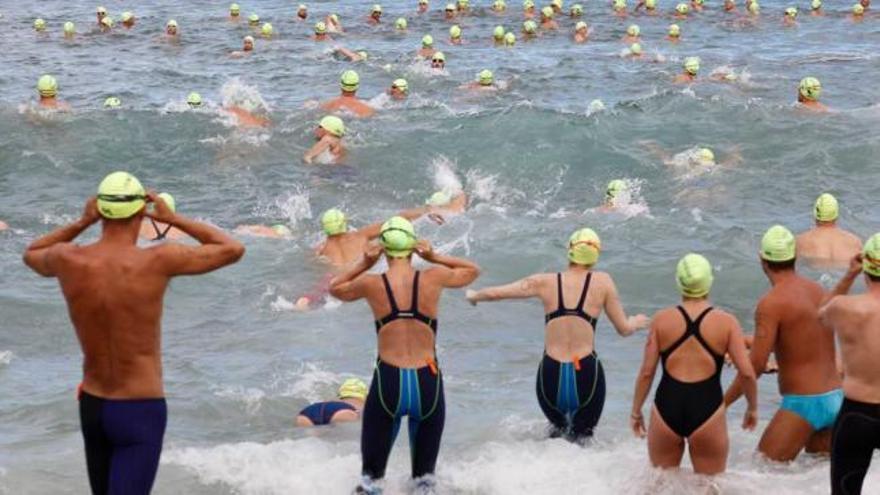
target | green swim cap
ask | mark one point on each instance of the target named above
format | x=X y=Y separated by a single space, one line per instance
x=438 y=57
x=826 y=208
x=376 y=9
x=584 y=247
x=674 y=30
x=112 y=102
x=778 y=245
x=485 y=77
x=619 y=5
x=127 y=16
x=439 y=198
x=334 y=18
x=498 y=33
x=281 y=230
x=455 y=32
x=39 y=25
x=400 y=23
x=423 y=2
x=650 y=4
x=234 y=9
x=858 y=9
x=580 y=25
x=556 y=3
x=528 y=4
x=635 y=49
x=682 y=8
x=320 y=27
x=871 y=256
x=692 y=65
x=614 y=189
x=120 y=195
x=450 y=7
x=253 y=19
x=171 y=23
x=47 y=86
x=107 y=21
x=353 y=389
x=267 y=30
x=754 y=7
x=547 y=12
x=398 y=237
x=464 y=3
x=194 y=99
x=633 y=30
x=427 y=40
x=169 y=201
x=333 y=222
x=101 y=10
x=810 y=88
x=499 y=5
x=401 y=84
x=509 y=39
x=530 y=27
x=363 y=55
x=577 y=9
x=349 y=81
x=69 y=28
x=693 y=275
x=816 y=4
x=791 y=12
x=706 y=156
x=333 y=125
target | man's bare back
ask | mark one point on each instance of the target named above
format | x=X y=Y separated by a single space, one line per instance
x=350 y=104
x=828 y=243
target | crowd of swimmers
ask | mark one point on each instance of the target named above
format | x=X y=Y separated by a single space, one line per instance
x=830 y=390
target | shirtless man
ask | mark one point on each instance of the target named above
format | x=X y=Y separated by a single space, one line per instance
x=427 y=50
x=114 y=292
x=787 y=323
x=809 y=91
x=47 y=87
x=856 y=321
x=348 y=101
x=826 y=242
x=329 y=147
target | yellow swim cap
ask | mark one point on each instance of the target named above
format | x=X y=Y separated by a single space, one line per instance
x=69 y=28
x=613 y=190
x=401 y=84
x=400 y=24
x=635 y=49
x=530 y=27
x=528 y=4
x=754 y=7
x=320 y=27
x=253 y=19
x=499 y=6
x=778 y=245
x=692 y=65
x=377 y=9
x=810 y=88
x=120 y=195
x=107 y=21
x=826 y=208
x=547 y=12
x=333 y=125
x=281 y=230
x=333 y=222
x=871 y=256
x=47 y=86
x=438 y=57
x=127 y=16
x=633 y=30
x=619 y=5
x=455 y=32
x=334 y=18
x=101 y=10
x=577 y=9
x=39 y=25
x=398 y=237
x=194 y=99
x=485 y=77
x=234 y=9
x=858 y=9
x=816 y=4
x=353 y=389
x=363 y=55
x=584 y=247
x=439 y=198
x=509 y=39
x=682 y=8
x=267 y=30
x=674 y=30
x=169 y=201
x=705 y=156
x=498 y=33
x=423 y=2
x=580 y=26
x=427 y=40
x=650 y=4
x=693 y=275
x=556 y=3
x=112 y=102
x=791 y=12
x=350 y=81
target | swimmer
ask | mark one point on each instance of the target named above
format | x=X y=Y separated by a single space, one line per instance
x=69 y=30
x=254 y=20
x=247 y=47
x=194 y=100
x=499 y=6
x=112 y=102
x=854 y=319
x=302 y=12
x=3 y=225
x=348 y=408
x=114 y=292
x=682 y=10
x=787 y=323
x=423 y=7
x=729 y=6
x=171 y=28
x=816 y=8
x=530 y=30
x=789 y=18
x=691 y=340
x=246 y=118
x=455 y=35
x=427 y=50
x=697 y=5
x=577 y=11
x=498 y=35
x=547 y=21
x=634 y=52
x=267 y=30
x=348 y=100
x=556 y=5
x=619 y=8
x=650 y=6
x=153 y=230
x=321 y=32
x=865 y=4
x=234 y=12
x=571 y=380
x=358 y=56
x=754 y=8
x=509 y=39
x=39 y=25
x=400 y=24
x=100 y=13
x=809 y=91
x=581 y=32
x=633 y=34
x=329 y=136
x=106 y=24
x=463 y=7
x=438 y=61
x=47 y=88
x=674 y=33
x=449 y=12
x=826 y=243
x=858 y=12
x=445 y=204
x=334 y=25
x=691 y=67
x=276 y=231
x=128 y=20
x=529 y=9
x=614 y=193
x=405 y=303
x=399 y=89
x=375 y=15
x=485 y=82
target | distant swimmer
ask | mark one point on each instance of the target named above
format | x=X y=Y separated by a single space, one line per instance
x=276 y=231
x=171 y=30
x=449 y=12
x=571 y=380
x=856 y=322
x=498 y=35
x=375 y=16
x=697 y=5
x=530 y=30
x=107 y=24
x=577 y=11
x=691 y=67
x=633 y=34
x=444 y=203
x=407 y=380
x=234 y=12
x=427 y=50
x=615 y=194
x=787 y=323
x=438 y=61
x=247 y=47
x=581 y=32
x=100 y=13
x=547 y=21
x=422 y=7
x=789 y=17
x=247 y=118
x=114 y=292
x=354 y=56
x=455 y=35
x=47 y=88
x=321 y=32
x=826 y=242
x=153 y=230
x=400 y=25
x=858 y=12
x=649 y=5
x=619 y=8
x=194 y=100
x=730 y=5
x=529 y=9
x=682 y=10
x=333 y=24
x=485 y=81
x=499 y=7
x=674 y=33
x=509 y=39
x=556 y=5
x=329 y=148
x=348 y=100
x=399 y=90
x=816 y=8
x=39 y=25
x=463 y=7
x=254 y=21
x=809 y=91
x=267 y=31
x=634 y=52
x=128 y=19
x=69 y=30
x=690 y=340
x=348 y=408
x=302 y=12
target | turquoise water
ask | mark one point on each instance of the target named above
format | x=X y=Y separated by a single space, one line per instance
x=239 y=363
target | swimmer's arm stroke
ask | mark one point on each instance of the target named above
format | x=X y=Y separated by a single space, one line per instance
x=644 y=380
x=457 y=272
x=319 y=147
x=766 y=329
x=42 y=254
x=350 y=286
x=521 y=289
x=624 y=325
x=747 y=380
x=375 y=230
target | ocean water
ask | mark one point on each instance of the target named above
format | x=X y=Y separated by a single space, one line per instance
x=239 y=363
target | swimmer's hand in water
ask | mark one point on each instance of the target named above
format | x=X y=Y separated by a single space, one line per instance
x=160 y=212
x=750 y=420
x=425 y=250
x=637 y=424
x=436 y=218
x=471 y=296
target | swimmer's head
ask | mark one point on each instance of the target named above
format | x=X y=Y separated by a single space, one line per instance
x=693 y=275
x=427 y=41
x=778 y=245
x=333 y=222
x=112 y=102
x=858 y=9
x=633 y=30
x=619 y=5
x=171 y=27
x=127 y=18
x=281 y=230
x=509 y=39
x=234 y=10
x=528 y=5
x=423 y=2
x=47 y=86
x=530 y=27
x=791 y=12
x=169 y=201
x=302 y=10
x=438 y=199
x=871 y=256
x=705 y=156
x=464 y=3
x=635 y=49
x=498 y=33
x=400 y=24
x=810 y=89
x=376 y=11
x=674 y=31
x=69 y=28
x=650 y=4
x=438 y=60
x=107 y=22
x=581 y=26
x=485 y=77
x=320 y=28
x=556 y=4
x=577 y=10
x=816 y=4
x=826 y=209
x=754 y=7
x=692 y=65
x=194 y=100
x=353 y=389
x=584 y=247
x=455 y=32
x=101 y=12
x=254 y=20
x=449 y=9
x=682 y=8
x=120 y=196
x=39 y=25
x=363 y=55
x=614 y=190
x=547 y=13
x=248 y=43
x=267 y=30
x=400 y=86
x=398 y=237
x=334 y=18
x=499 y=6
x=349 y=81
x=333 y=124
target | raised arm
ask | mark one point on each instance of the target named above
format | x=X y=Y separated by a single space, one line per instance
x=41 y=255
x=644 y=380
x=375 y=230
x=766 y=327
x=319 y=147
x=349 y=286
x=614 y=309
x=846 y=282
x=459 y=272
x=216 y=250
x=521 y=289
x=746 y=378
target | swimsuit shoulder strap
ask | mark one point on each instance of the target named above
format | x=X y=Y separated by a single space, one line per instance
x=415 y=293
x=583 y=299
x=692 y=329
x=696 y=332
x=560 y=304
x=391 y=301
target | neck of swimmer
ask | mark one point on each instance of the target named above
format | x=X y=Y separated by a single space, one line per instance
x=826 y=225
x=574 y=267
x=396 y=264
x=781 y=276
x=123 y=232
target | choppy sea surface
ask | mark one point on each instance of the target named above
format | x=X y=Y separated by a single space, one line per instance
x=239 y=362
